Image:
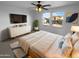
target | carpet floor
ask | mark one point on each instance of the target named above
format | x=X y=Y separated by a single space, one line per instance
x=5 y=50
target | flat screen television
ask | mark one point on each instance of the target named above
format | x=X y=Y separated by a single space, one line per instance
x=16 y=18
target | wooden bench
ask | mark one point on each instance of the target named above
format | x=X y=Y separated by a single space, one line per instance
x=17 y=50
x=19 y=53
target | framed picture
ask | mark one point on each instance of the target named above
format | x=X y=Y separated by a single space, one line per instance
x=46 y=18
x=57 y=18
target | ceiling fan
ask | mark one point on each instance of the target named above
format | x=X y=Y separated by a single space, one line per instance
x=39 y=6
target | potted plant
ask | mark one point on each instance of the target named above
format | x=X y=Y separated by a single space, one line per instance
x=35 y=25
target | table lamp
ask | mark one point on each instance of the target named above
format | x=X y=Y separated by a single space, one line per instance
x=75 y=29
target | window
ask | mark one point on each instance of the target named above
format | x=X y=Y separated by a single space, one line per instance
x=57 y=18
x=46 y=18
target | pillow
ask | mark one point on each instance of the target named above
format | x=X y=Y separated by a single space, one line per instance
x=75 y=52
x=61 y=44
x=68 y=36
x=75 y=38
x=67 y=46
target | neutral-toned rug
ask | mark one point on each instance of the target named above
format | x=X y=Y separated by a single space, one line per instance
x=5 y=50
x=17 y=50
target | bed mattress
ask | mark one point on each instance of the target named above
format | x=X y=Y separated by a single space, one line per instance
x=28 y=40
x=55 y=51
x=39 y=44
x=43 y=47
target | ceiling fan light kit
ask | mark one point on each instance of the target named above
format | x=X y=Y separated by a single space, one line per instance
x=40 y=7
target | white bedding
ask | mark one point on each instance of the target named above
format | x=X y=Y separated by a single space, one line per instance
x=40 y=42
x=28 y=40
x=46 y=45
x=55 y=51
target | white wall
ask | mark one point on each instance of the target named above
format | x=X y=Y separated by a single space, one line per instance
x=66 y=26
x=5 y=19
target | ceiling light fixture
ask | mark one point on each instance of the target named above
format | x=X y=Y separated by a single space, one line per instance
x=38 y=9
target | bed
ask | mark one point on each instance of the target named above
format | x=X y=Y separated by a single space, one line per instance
x=40 y=44
x=47 y=47
x=28 y=40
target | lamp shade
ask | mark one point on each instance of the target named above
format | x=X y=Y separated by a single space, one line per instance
x=75 y=28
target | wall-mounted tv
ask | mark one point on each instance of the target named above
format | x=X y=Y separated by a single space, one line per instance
x=17 y=18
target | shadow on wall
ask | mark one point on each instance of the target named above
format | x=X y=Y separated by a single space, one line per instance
x=5 y=34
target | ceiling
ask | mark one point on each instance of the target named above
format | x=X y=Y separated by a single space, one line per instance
x=27 y=4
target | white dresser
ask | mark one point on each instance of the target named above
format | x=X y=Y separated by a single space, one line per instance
x=17 y=30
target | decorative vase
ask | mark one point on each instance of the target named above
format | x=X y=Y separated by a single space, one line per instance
x=36 y=28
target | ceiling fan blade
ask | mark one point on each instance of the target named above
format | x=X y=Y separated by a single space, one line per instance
x=45 y=8
x=46 y=5
x=33 y=4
